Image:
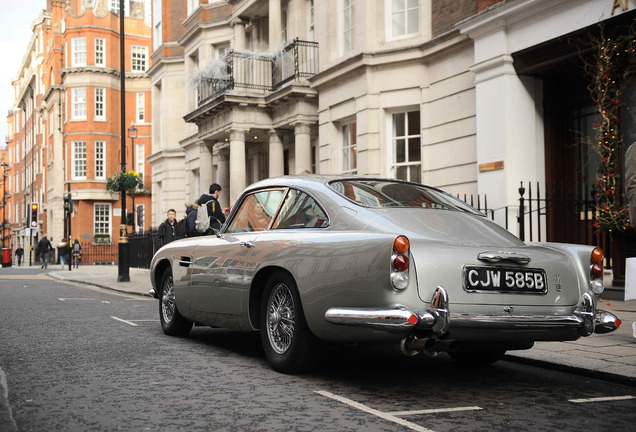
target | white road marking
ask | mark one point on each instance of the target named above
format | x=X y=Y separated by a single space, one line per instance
x=73 y=298
x=602 y=399
x=124 y=321
x=434 y=411
x=375 y=412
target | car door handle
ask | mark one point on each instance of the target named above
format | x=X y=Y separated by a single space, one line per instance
x=246 y=244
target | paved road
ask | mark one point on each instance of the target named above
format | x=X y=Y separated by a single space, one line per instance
x=78 y=358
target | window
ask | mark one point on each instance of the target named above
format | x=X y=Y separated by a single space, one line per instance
x=100 y=52
x=299 y=210
x=349 y=148
x=100 y=103
x=79 y=160
x=141 y=107
x=192 y=6
x=139 y=56
x=256 y=211
x=405 y=17
x=100 y=159
x=406 y=146
x=157 y=36
x=78 y=47
x=101 y=218
x=78 y=110
x=140 y=159
x=348 y=25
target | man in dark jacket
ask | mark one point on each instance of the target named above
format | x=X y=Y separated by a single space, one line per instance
x=166 y=231
x=44 y=249
x=216 y=213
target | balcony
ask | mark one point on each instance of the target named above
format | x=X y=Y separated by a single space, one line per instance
x=258 y=73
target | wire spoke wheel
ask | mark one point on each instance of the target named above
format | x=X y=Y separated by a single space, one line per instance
x=168 y=305
x=281 y=319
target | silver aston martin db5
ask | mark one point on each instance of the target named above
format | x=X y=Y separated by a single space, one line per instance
x=310 y=260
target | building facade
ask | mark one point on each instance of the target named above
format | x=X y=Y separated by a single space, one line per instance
x=65 y=128
x=476 y=97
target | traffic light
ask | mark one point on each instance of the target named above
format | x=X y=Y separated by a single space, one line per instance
x=140 y=216
x=68 y=203
x=35 y=207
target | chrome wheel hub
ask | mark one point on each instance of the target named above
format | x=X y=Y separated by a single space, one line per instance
x=281 y=319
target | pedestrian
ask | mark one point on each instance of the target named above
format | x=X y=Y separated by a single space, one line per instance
x=19 y=252
x=215 y=212
x=77 y=253
x=191 y=220
x=167 y=229
x=63 y=250
x=44 y=249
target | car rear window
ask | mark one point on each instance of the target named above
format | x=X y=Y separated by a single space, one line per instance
x=383 y=193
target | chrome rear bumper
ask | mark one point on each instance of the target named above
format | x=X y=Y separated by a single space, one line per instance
x=439 y=319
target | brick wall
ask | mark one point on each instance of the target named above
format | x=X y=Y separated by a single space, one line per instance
x=446 y=13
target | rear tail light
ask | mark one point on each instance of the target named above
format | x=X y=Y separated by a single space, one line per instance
x=596 y=271
x=400 y=263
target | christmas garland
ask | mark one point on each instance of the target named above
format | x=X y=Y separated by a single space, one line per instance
x=610 y=71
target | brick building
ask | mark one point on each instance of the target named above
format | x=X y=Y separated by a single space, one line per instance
x=66 y=133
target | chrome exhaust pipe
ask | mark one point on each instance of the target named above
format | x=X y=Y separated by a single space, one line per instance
x=413 y=345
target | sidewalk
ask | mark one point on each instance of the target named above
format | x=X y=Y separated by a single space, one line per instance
x=610 y=356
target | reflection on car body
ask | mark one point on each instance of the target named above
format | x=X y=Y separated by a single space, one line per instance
x=312 y=259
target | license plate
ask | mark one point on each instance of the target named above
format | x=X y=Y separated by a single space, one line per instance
x=515 y=280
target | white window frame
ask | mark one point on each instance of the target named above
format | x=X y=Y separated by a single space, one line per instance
x=406 y=10
x=102 y=219
x=140 y=111
x=140 y=160
x=138 y=58
x=350 y=148
x=79 y=160
x=100 y=51
x=100 y=103
x=78 y=52
x=348 y=24
x=157 y=36
x=78 y=103
x=100 y=160
x=394 y=138
x=192 y=6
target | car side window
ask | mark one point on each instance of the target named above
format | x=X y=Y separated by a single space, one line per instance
x=299 y=210
x=255 y=212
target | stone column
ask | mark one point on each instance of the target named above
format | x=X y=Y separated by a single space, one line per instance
x=276 y=155
x=206 y=167
x=275 y=26
x=237 y=164
x=222 y=157
x=239 y=34
x=302 y=146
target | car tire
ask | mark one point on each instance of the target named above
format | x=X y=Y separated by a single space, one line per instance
x=172 y=323
x=479 y=358
x=289 y=345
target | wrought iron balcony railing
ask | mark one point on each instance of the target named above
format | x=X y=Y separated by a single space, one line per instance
x=260 y=73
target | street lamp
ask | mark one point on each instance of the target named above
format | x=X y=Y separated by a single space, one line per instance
x=132 y=134
x=123 y=265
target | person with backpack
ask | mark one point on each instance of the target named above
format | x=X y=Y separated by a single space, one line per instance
x=215 y=214
x=77 y=253
x=167 y=230
x=44 y=249
x=191 y=220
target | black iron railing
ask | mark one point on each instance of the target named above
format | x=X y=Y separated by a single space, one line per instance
x=258 y=72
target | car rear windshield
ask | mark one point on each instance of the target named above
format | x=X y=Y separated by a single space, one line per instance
x=383 y=193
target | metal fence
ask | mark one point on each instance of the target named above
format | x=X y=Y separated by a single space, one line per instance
x=258 y=72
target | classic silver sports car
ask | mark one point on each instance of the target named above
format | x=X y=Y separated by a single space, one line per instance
x=313 y=259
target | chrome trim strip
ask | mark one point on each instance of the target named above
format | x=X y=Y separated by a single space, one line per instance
x=495 y=257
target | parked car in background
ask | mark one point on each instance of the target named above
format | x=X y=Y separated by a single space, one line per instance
x=312 y=259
